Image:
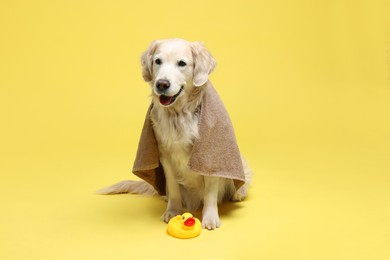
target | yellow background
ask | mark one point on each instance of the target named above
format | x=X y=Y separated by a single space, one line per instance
x=306 y=84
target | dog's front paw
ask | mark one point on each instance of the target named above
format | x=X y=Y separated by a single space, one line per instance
x=211 y=221
x=168 y=214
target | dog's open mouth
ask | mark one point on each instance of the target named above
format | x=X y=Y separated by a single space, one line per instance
x=167 y=100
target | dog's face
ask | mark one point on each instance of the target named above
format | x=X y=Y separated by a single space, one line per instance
x=174 y=67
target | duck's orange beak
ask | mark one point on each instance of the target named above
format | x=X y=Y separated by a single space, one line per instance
x=189 y=222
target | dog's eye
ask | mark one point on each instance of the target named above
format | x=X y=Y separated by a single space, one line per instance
x=158 y=61
x=182 y=63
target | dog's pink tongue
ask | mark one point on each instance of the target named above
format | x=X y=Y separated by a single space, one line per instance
x=165 y=100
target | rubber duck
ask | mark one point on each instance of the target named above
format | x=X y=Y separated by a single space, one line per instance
x=184 y=226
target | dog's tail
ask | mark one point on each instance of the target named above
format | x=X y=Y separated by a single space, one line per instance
x=134 y=187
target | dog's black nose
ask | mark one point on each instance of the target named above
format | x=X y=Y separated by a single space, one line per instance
x=163 y=84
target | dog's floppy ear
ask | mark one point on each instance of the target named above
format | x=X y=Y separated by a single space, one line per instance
x=147 y=61
x=204 y=63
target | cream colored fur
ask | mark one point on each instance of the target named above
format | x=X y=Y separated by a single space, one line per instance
x=176 y=127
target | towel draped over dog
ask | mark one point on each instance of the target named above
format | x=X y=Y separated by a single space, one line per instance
x=214 y=153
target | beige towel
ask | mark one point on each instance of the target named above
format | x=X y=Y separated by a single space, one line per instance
x=215 y=152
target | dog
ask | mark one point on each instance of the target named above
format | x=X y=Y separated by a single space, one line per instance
x=178 y=72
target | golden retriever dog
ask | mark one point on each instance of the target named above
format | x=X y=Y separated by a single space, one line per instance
x=178 y=71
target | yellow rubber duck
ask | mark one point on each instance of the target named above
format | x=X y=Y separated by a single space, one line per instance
x=184 y=226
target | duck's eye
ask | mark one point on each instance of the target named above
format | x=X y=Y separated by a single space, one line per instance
x=182 y=63
x=183 y=217
x=158 y=61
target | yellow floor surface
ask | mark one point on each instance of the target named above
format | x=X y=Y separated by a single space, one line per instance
x=307 y=87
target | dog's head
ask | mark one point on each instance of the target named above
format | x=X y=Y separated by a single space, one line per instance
x=174 y=67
